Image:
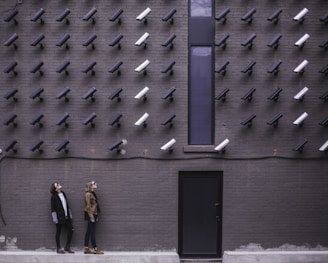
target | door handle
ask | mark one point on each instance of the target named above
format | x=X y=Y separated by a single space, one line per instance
x=217 y=204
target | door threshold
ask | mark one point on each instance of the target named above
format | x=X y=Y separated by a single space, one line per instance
x=200 y=260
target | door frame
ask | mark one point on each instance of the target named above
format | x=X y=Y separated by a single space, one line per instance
x=200 y=174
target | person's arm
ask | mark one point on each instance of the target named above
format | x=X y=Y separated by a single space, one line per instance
x=53 y=211
x=88 y=206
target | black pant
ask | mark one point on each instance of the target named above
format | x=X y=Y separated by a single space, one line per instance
x=70 y=230
x=91 y=233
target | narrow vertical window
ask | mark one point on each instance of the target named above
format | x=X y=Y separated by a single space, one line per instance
x=200 y=7
x=200 y=94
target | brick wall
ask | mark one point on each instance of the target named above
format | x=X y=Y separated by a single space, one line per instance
x=139 y=190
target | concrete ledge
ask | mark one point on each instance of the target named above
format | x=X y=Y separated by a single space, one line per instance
x=108 y=257
x=275 y=256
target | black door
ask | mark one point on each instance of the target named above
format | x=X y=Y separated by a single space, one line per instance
x=200 y=214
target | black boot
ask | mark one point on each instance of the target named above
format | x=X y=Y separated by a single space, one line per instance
x=68 y=250
x=60 y=251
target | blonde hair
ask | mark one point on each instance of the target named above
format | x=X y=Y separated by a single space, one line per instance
x=88 y=186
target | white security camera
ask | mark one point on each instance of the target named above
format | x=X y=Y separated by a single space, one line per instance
x=143 y=14
x=142 y=66
x=302 y=40
x=300 y=16
x=142 y=39
x=324 y=147
x=168 y=145
x=300 y=67
x=300 y=95
x=222 y=145
x=142 y=120
x=301 y=118
x=142 y=93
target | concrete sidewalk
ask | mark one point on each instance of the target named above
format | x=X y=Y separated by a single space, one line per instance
x=22 y=256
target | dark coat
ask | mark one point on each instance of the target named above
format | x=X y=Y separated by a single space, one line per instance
x=57 y=207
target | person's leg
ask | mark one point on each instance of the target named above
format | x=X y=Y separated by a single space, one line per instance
x=58 y=232
x=70 y=231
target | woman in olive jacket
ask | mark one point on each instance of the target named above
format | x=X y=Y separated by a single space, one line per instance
x=91 y=212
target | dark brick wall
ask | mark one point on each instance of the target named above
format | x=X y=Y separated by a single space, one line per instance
x=272 y=194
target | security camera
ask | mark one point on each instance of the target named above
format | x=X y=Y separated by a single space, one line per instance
x=324 y=18
x=301 y=42
x=116 y=67
x=90 y=14
x=274 y=17
x=142 y=120
x=116 y=41
x=275 y=41
x=300 y=95
x=275 y=67
x=300 y=68
x=324 y=69
x=11 y=40
x=143 y=15
x=142 y=67
x=37 y=94
x=11 y=146
x=324 y=147
x=169 y=15
x=249 y=41
x=300 y=145
x=169 y=94
x=116 y=120
x=116 y=94
x=63 y=15
x=37 y=146
x=169 y=41
x=324 y=44
x=116 y=16
x=324 y=96
x=222 y=95
x=142 y=40
x=142 y=94
x=90 y=67
x=222 y=68
x=11 y=16
x=223 y=15
x=11 y=94
x=299 y=121
x=275 y=120
x=89 y=119
x=248 y=17
x=249 y=94
x=37 y=68
x=63 y=146
x=169 y=120
x=117 y=146
x=11 y=67
x=222 y=41
x=63 y=40
x=38 y=40
x=222 y=145
x=90 y=41
x=63 y=67
x=11 y=120
x=249 y=120
x=89 y=94
x=169 y=145
x=301 y=15
x=324 y=122
x=38 y=15
x=169 y=68
x=249 y=68
x=63 y=93
x=63 y=119
x=37 y=119
x=275 y=95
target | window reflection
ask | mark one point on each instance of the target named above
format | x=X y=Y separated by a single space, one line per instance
x=201 y=7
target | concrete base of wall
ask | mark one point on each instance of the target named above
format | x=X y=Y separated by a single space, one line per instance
x=108 y=257
x=275 y=257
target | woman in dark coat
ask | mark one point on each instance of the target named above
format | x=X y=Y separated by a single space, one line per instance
x=61 y=216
